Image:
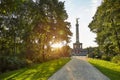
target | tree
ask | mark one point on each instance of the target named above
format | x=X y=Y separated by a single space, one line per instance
x=49 y=27
x=27 y=27
x=106 y=25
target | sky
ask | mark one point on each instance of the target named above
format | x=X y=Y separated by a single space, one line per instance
x=85 y=10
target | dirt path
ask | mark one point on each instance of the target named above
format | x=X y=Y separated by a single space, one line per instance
x=78 y=69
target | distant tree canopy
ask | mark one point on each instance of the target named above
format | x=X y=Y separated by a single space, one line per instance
x=106 y=24
x=28 y=27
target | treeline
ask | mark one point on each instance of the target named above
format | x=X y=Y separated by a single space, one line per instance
x=106 y=24
x=28 y=28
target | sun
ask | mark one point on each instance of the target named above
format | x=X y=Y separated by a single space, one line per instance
x=57 y=45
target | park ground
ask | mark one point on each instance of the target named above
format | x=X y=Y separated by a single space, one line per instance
x=45 y=70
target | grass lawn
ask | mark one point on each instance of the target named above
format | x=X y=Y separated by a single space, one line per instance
x=36 y=72
x=110 y=69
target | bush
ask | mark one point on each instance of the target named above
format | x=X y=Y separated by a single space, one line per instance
x=11 y=63
x=116 y=59
x=106 y=57
x=91 y=55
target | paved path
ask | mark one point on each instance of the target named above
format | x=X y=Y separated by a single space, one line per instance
x=78 y=69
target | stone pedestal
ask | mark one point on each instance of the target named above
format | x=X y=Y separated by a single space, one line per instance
x=77 y=48
x=77 y=45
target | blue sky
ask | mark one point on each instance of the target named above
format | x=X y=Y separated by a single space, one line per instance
x=85 y=10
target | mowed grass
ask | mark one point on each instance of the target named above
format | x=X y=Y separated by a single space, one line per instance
x=36 y=72
x=110 y=69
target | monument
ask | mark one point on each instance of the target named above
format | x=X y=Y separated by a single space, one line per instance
x=77 y=46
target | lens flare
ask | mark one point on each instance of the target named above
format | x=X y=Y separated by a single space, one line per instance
x=57 y=45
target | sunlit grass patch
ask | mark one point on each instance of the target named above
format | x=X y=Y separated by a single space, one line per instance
x=36 y=72
x=110 y=69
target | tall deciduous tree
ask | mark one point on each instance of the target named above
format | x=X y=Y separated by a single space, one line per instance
x=50 y=26
x=106 y=24
x=29 y=26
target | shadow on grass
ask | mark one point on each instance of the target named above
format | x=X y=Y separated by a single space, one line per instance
x=44 y=72
x=112 y=74
x=11 y=75
x=36 y=72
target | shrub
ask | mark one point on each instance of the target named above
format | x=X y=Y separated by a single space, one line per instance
x=116 y=59
x=11 y=63
x=91 y=55
x=106 y=57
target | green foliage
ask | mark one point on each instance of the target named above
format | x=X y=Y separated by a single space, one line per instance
x=59 y=52
x=36 y=72
x=107 y=26
x=11 y=63
x=116 y=59
x=93 y=52
x=66 y=50
x=28 y=27
x=106 y=57
x=111 y=70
